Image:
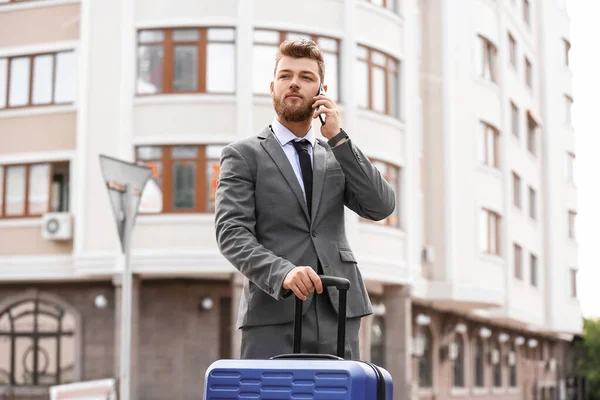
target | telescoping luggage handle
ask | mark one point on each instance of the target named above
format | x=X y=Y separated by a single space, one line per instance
x=342 y=285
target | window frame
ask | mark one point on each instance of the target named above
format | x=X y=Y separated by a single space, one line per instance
x=532 y=203
x=497 y=220
x=517 y=198
x=527 y=12
x=389 y=61
x=31 y=57
x=515 y=120
x=36 y=335
x=491 y=130
x=425 y=362
x=489 y=59
x=568 y=110
x=397 y=186
x=513 y=377
x=512 y=51
x=167 y=161
x=528 y=73
x=533 y=270
x=168 y=46
x=573 y=275
x=3 y=181
x=479 y=362
x=458 y=365
x=518 y=261
x=390 y=5
x=572 y=215
x=567 y=49
x=532 y=133
x=497 y=381
x=571 y=167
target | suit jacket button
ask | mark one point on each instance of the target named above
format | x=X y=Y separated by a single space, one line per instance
x=314 y=234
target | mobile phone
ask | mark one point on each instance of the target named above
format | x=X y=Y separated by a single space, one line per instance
x=321 y=116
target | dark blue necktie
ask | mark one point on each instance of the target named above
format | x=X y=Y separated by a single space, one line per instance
x=306 y=167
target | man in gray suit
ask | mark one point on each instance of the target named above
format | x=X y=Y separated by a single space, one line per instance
x=280 y=214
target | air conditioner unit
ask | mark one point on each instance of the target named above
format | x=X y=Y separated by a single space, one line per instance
x=57 y=226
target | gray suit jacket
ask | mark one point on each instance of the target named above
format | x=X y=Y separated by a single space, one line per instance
x=264 y=230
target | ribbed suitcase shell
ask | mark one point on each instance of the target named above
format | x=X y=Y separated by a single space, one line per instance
x=293 y=379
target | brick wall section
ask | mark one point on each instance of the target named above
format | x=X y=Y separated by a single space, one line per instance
x=178 y=340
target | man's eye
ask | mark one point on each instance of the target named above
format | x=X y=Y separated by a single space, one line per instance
x=283 y=76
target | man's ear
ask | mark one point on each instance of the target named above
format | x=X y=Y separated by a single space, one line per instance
x=271 y=86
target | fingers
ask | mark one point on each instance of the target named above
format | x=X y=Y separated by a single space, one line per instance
x=321 y=101
x=316 y=281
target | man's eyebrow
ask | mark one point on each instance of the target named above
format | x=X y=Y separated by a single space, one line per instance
x=302 y=72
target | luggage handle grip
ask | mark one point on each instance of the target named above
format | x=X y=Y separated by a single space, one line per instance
x=301 y=356
x=343 y=285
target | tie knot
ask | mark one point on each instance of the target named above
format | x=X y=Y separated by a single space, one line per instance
x=301 y=145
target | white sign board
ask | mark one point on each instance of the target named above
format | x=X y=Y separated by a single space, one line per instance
x=104 y=389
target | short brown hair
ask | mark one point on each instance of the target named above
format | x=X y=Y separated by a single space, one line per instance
x=301 y=49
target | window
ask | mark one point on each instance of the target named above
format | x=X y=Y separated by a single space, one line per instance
x=377 y=77
x=378 y=340
x=389 y=4
x=479 y=363
x=572 y=215
x=532 y=203
x=486 y=59
x=573 y=273
x=497 y=362
x=188 y=60
x=567 y=45
x=514 y=114
x=488 y=146
x=518 y=254
x=37 y=80
x=490 y=232
x=568 y=108
x=187 y=175
x=533 y=265
x=426 y=361
x=37 y=344
x=30 y=190
x=458 y=364
x=512 y=358
x=516 y=190
x=266 y=45
x=528 y=73
x=570 y=167
x=391 y=173
x=531 y=135
x=527 y=12
x=512 y=45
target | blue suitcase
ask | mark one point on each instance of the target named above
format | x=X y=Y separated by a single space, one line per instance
x=301 y=376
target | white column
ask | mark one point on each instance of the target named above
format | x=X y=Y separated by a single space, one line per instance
x=78 y=167
x=244 y=72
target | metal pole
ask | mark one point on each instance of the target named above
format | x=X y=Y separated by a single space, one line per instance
x=124 y=389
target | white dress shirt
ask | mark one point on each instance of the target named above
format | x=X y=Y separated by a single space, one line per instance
x=285 y=138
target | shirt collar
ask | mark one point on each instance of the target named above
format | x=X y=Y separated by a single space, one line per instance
x=284 y=135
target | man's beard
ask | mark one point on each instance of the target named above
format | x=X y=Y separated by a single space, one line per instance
x=292 y=113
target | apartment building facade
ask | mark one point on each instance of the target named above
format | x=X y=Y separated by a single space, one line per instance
x=425 y=89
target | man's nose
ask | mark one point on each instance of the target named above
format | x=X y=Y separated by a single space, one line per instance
x=294 y=83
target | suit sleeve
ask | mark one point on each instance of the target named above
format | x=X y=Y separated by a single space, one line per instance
x=366 y=193
x=235 y=224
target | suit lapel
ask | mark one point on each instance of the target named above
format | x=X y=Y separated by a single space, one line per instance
x=319 y=167
x=273 y=148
